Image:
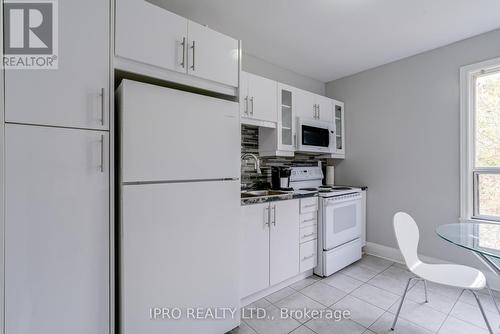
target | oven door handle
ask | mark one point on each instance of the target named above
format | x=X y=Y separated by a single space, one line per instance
x=334 y=201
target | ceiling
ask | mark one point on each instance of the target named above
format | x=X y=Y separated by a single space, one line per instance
x=330 y=39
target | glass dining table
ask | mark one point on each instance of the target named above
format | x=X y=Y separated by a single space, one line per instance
x=483 y=239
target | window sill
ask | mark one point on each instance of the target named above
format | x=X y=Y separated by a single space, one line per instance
x=478 y=220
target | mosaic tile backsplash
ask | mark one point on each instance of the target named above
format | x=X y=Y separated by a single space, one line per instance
x=250 y=144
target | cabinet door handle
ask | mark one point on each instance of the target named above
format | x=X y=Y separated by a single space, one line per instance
x=251 y=102
x=274 y=215
x=309 y=205
x=194 y=55
x=319 y=111
x=308 y=257
x=101 y=167
x=245 y=111
x=102 y=95
x=183 y=64
x=308 y=235
x=309 y=220
x=295 y=139
x=267 y=216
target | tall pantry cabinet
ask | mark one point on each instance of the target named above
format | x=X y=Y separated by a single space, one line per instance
x=57 y=183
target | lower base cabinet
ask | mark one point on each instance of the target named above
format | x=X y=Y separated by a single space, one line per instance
x=269 y=241
x=56 y=231
x=284 y=240
x=254 y=243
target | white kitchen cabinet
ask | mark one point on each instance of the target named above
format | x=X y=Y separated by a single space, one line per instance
x=254 y=248
x=56 y=231
x=269 y=244
x=151 y=35
x=284 y=240
x=286 y=118
x=308 y=255
x=324 y=108
x=281 y=141
x=313 y=106
x=339 y=116
x=258 y=99
x=212 y=55
x=305 y=104
x=77 y=93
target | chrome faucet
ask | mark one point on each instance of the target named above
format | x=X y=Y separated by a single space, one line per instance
x=256 y=163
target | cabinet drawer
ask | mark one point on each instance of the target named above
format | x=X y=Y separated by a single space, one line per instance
x=308 y=219
x=308 y=233
x=308 y=255
x=308 y=205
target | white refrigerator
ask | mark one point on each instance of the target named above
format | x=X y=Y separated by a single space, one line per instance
x=179 y=208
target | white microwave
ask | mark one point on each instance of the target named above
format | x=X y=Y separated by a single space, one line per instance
x=315 y=136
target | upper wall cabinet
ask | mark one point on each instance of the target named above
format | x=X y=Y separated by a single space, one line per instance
x=150 y=35
x=76 y=94
x=280 y=141
x=258 y=100
x=212 y=55
x=339 y=129
x=313 y=106
x=324 y=108
x=305 y=104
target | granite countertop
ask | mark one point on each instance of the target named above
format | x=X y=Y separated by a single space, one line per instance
x=283 y=197
x=274 y=198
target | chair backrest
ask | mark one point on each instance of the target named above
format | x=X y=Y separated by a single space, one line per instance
x=407 y=236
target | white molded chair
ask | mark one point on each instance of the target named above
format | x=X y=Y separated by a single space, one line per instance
x=454 y=275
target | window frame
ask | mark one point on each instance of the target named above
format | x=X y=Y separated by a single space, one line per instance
x=469 y=174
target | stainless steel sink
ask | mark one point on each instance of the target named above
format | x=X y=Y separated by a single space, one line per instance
x=262 y=193
x=266 y=192
x=247 y=195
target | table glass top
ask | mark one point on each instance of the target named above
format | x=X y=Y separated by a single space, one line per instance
x=483 y=238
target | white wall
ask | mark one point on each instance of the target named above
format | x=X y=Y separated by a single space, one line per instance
x=402 y=127
x=263 y=68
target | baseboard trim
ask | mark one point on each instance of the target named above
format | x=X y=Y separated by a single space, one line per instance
x=258 y=295
x=393 y=254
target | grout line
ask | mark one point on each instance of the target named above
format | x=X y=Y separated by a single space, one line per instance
x=246 y=323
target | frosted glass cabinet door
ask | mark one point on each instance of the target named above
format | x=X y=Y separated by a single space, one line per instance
x=56 y=231
x=151 y=35
x=286 y=120
x=71 y=95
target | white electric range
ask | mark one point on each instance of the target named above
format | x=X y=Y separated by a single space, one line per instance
x=339 y=219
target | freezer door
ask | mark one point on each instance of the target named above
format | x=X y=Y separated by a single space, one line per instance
x=179 y=249
x=168 y=134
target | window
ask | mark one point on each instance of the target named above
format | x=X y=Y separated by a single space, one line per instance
x=480 y=141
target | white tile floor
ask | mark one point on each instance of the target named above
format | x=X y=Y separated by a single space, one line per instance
x=371 y=290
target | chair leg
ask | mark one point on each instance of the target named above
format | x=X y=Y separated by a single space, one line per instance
x=493 y=298
x=401 y=304
x=425 y=288
x=482 y=311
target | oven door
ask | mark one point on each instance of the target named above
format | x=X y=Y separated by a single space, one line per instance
x=341 y=220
